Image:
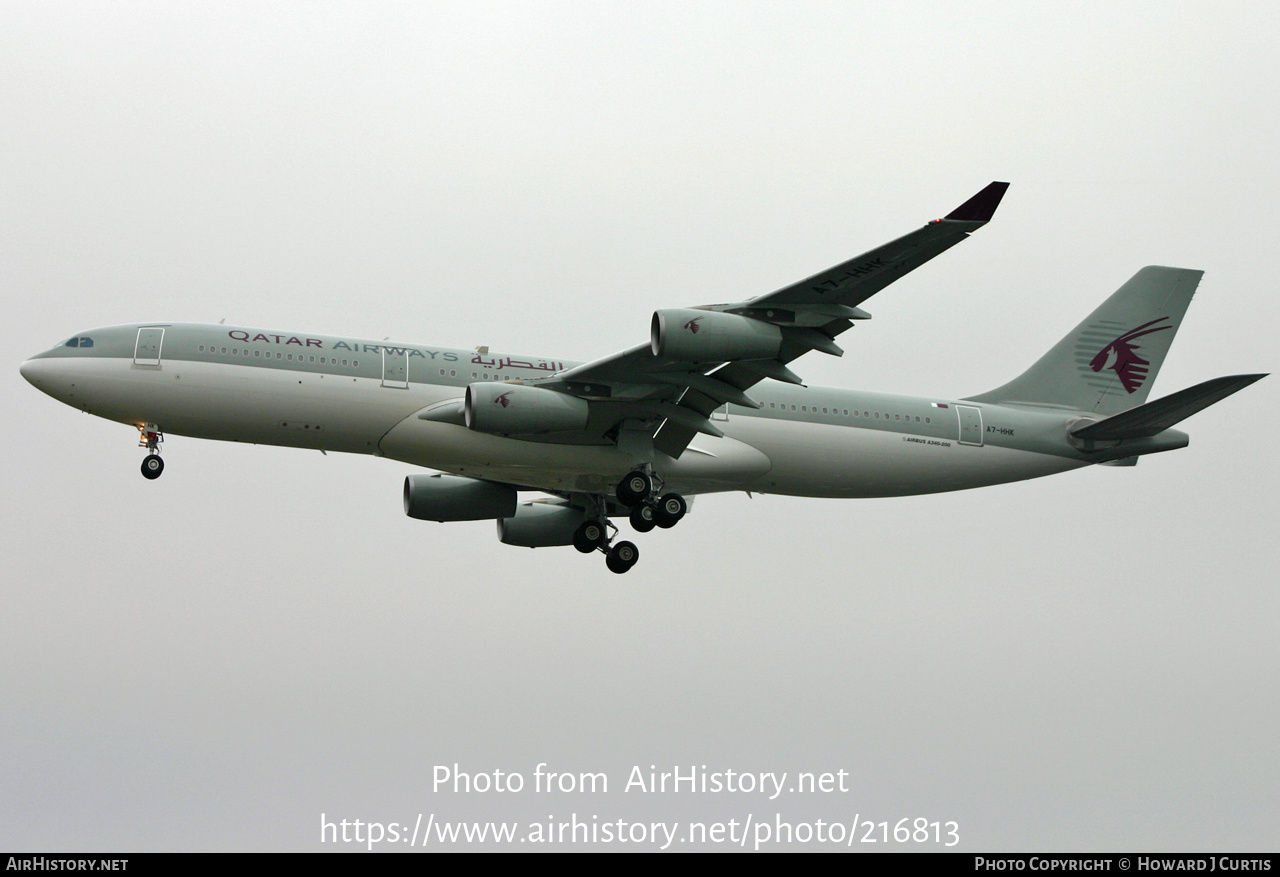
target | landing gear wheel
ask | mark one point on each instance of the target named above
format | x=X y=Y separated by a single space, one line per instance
x=670 y=510
x=642 y=518
x=635 y=488
x=622 y=557
x=588 y=537
x=152 y=466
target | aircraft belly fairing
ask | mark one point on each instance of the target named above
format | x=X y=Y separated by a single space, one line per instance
x=715 y=464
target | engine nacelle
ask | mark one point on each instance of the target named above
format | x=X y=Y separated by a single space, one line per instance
x=455 y=498
x=540 y=525
x=712 y=336
x=511 y=409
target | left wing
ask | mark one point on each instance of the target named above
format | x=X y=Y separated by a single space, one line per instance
x=700 y=358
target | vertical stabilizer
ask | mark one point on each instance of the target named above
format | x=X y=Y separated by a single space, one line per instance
x=1108 y=363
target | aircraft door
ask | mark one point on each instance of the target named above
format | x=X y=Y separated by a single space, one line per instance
x=147 y=349
x=970 y=425
x=395 y=368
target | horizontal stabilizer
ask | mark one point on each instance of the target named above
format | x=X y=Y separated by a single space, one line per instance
x=1155 y=417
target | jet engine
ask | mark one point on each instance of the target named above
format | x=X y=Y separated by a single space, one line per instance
x=512 y=409
x=712 y=336
x=540 y=525
x=455 y=498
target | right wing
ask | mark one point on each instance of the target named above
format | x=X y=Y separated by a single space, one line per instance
x=676 y=395
x=851 y=283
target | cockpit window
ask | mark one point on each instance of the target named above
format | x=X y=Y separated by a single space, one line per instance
x=80 y=342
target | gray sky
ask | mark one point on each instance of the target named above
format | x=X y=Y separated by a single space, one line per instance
x=212 y=660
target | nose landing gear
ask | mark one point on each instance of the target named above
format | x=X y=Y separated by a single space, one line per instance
x=152 y=466
x=150 y=437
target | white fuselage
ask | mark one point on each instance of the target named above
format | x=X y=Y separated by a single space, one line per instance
x=334 y=394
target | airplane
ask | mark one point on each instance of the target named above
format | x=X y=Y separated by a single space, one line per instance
x=708 y=404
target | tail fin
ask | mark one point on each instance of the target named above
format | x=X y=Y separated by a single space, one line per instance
x=1108 y=363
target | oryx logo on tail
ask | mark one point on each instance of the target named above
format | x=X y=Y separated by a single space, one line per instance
x=1121 y=356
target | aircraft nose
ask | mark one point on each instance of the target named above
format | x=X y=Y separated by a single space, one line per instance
x=44 y=375
x=34 y=370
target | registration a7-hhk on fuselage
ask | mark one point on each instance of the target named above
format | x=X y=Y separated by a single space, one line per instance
x=710 y=403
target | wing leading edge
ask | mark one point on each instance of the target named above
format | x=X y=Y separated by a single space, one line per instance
x=671 y=397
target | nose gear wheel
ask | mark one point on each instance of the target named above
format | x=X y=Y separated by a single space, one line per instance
x=150 y=437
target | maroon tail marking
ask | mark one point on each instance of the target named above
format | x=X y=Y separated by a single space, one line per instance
x=1128 y=366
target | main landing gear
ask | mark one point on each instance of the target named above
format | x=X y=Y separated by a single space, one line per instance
x=594 y=535
x=637 y=491
x=648 y=510
x=150 y=438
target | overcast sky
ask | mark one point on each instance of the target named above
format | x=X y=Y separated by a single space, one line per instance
x=212 y=660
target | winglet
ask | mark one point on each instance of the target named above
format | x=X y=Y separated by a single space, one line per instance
x=982 y=206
